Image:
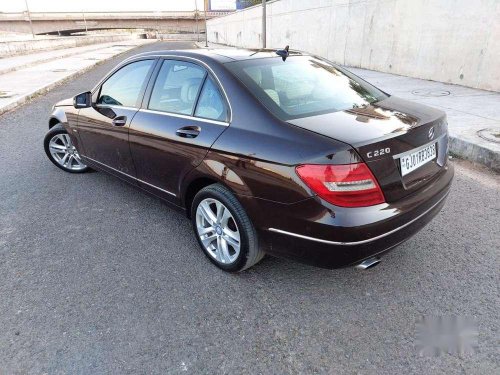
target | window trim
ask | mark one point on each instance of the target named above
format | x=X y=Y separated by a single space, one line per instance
x=208 y=71
x=199 y=96
x=216 y=122
x=200 y=90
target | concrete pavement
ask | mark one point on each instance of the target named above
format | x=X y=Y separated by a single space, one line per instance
x=470 y=111
x=37 y=73
x=99 y=278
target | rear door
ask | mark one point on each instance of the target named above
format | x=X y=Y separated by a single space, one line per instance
x=183 y=113
x=104 y=127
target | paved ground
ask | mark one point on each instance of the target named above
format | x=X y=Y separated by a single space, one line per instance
x=36 y=73
x=96 y=277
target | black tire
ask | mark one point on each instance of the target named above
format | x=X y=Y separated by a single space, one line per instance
x=250 y=253
x=55 y=130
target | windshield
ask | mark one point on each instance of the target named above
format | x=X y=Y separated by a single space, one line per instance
x=303 y=86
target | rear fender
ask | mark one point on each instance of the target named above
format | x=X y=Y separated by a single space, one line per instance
x=250 y=178
x=217 y=171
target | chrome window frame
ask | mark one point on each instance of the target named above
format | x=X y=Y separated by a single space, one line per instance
x=157 y=57
x=187 y=117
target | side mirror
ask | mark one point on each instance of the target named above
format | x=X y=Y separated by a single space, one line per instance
x=83 y=100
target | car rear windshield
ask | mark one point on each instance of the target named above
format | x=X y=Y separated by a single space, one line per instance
x=303 y=86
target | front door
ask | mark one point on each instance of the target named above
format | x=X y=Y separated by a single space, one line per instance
x=184 y=115
x=104 y=126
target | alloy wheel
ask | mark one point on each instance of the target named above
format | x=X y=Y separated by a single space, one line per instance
x=218 y=231
x=64 y=153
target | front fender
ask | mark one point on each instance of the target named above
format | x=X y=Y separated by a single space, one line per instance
x=58 y=116
x=67 y=116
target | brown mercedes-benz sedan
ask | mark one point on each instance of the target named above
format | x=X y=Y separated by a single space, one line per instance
x=267 y=152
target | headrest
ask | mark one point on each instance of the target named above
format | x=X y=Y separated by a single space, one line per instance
x=189 y=89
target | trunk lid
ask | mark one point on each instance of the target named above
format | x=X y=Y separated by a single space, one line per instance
x=384 y=132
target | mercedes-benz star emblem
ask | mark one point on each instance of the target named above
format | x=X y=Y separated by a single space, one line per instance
x=431 y=133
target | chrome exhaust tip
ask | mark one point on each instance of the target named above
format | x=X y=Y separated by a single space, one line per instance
x=368 y=263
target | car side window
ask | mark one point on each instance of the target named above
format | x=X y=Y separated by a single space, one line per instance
x=124 y=86
x=177 y=87
x=211 y=104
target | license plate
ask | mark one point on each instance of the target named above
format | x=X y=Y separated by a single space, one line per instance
x=417 y=158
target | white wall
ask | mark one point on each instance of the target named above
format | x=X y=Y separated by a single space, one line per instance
x=456 y=41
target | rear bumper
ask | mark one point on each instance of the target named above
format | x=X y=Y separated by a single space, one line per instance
x=317 y=233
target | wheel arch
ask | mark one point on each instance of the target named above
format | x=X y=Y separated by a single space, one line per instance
x=193 y=188
x=210 y=172
x=58 y=116
x=53 y=122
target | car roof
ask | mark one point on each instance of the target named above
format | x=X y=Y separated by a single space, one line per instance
x=221 y=55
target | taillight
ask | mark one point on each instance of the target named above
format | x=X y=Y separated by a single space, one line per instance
x=350 y=185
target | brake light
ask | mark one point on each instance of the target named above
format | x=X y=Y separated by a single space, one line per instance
x=349 y=185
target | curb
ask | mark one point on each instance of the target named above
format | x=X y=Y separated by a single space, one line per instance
x=475 y=153
x=24 y=99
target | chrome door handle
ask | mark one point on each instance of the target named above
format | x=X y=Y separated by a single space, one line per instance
x=188 y=132
x=119 y=121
